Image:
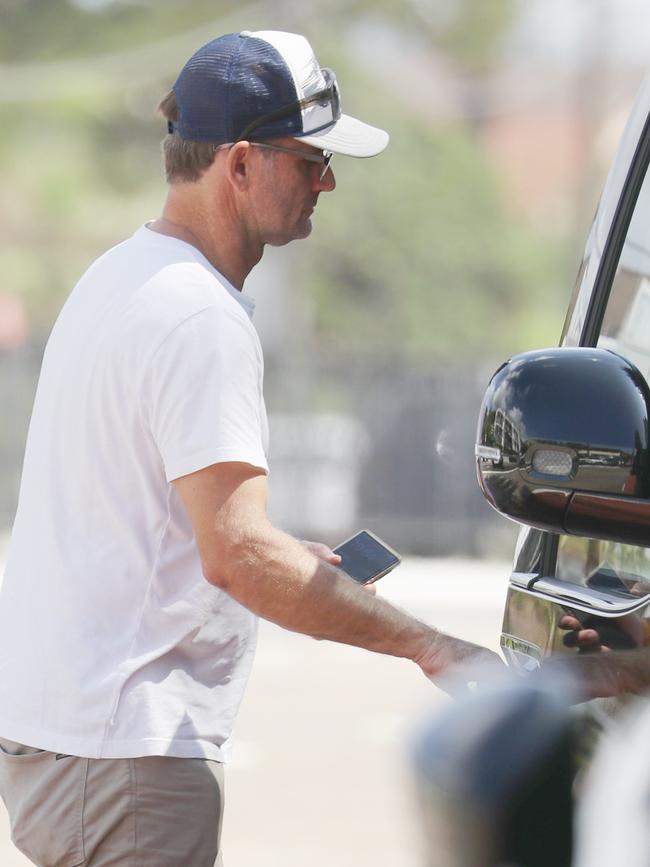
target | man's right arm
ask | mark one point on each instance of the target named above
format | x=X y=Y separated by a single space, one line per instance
x=278 y=578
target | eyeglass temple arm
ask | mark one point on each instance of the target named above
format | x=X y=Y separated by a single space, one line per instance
x=284 y=112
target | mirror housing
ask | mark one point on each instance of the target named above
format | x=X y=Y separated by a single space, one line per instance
x=563 y=444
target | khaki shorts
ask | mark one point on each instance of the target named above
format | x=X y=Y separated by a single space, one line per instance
x=154 y=811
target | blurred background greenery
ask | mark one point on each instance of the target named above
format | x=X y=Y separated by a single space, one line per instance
x=455 y=248
x=419 y=236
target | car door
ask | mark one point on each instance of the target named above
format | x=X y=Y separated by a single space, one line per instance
x=604 y=584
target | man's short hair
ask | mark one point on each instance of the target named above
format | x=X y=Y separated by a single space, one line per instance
x=185 y=160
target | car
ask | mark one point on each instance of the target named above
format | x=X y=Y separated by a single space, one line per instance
x=563 y=440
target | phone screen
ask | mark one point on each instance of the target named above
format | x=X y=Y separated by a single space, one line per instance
x=365 y=557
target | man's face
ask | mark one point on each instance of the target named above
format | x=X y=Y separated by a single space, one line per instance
x=286 y=191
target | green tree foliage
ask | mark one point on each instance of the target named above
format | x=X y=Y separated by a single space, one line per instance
x=49 y=30
x=475 y=30
x=415 y=252
x=470 y=30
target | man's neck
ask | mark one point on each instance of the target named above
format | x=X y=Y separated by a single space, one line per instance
x=217 y=241
x=164 y=226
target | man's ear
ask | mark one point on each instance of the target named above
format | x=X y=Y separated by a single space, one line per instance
x=238 y=164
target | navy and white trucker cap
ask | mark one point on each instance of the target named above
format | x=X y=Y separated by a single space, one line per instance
x=255 y=86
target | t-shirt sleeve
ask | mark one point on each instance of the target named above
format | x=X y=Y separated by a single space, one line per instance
x=203 y=394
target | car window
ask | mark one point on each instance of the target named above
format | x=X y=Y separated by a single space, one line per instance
x=626 y=323
x=622 y=570
x=600 y=229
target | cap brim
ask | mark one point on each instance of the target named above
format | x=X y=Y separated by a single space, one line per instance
x=351 y=137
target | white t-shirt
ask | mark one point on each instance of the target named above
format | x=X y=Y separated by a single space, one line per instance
x=112 y=643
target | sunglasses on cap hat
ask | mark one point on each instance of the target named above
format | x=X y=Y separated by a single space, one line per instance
x=328 y=97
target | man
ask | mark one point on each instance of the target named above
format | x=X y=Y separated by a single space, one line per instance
x=145 y=475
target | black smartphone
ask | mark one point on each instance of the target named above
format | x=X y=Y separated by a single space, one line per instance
x=366 y=558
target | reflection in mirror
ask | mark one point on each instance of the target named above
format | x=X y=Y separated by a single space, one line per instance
x=528 y=552
x=589 y=633
x=611 y=567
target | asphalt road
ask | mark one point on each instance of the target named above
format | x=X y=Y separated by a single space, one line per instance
x=321 y=771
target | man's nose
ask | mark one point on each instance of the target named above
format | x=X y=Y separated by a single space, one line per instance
x=327 y=183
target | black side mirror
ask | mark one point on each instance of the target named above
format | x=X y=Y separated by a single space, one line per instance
x=563 y=444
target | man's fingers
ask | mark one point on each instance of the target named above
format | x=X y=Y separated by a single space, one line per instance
x=568 y=621
x=459 y=660
x=323 y=552
x=578 y=636
x=582 y=638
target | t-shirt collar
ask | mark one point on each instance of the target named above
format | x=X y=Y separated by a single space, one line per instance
x=246 y=301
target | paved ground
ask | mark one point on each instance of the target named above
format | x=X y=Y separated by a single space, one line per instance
x=320 y=775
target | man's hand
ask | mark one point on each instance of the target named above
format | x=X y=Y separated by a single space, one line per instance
x=600 y=635
x=578 y=636
x=604 y=675
x=278 y=578
x=323 y=552
x=450 y=660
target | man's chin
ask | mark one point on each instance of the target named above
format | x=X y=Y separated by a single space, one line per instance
x=302 y=231
x=306 y=229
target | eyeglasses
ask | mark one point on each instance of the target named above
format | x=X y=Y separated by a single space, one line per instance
x=330 y=95
x=323 y=159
